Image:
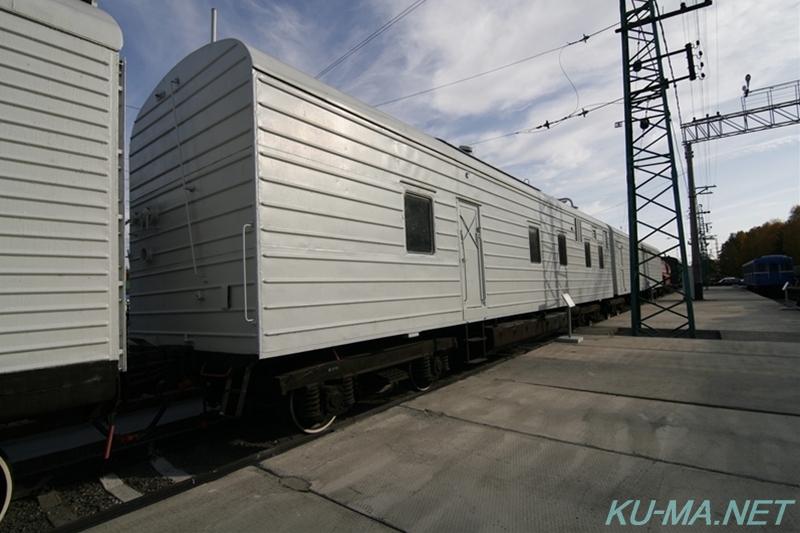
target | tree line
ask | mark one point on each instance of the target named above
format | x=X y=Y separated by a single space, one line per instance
x=773 y=237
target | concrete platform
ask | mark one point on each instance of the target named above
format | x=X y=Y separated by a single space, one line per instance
x=735 y=312
x=578 y=437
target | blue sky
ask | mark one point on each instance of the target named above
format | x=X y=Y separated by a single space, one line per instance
x=757 y=176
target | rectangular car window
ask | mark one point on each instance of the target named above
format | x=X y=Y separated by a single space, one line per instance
x=535 y=244
x=562 y=249
x=419 y=224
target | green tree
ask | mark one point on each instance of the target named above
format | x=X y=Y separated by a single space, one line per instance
x=790 y=235
x=773 y=237
x=730 y=255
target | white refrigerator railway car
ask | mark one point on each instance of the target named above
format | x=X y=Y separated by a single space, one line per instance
x=272 y=214
x=61 y=196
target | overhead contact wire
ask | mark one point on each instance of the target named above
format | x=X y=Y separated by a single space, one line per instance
x=497 y=69
x=577 y=96
x=679 y=160
x=548 y=124
x=372 y=36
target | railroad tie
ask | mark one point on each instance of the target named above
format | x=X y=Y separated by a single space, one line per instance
x=57 y=513
x=117 y=488
x=166 y=469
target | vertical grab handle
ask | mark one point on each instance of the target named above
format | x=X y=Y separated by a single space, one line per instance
x=244 y=270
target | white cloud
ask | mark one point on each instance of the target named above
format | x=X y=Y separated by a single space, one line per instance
x=456 y=39
x=762 y=147
x=446 y=40
x=278 y=29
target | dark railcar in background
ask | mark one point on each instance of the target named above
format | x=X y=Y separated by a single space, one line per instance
x=768 y=271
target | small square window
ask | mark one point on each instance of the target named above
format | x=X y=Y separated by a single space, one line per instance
x=419 y=224
x=587 y=250
x=535 y=244
x=562 y=249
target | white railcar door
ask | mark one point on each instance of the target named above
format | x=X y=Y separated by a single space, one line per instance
x=473 y=287
x=623 y=282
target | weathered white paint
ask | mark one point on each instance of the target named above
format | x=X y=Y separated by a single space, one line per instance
x=60 y=239
x=321 y=177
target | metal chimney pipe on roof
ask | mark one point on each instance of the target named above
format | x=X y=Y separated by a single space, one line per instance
x=213 y=24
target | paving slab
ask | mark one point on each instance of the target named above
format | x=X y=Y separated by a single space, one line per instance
x=424 y=471
x=674 y=372
x=739 y=442
x=249 y=500
x=731 y=347
x=597 y=436
x=730 y=310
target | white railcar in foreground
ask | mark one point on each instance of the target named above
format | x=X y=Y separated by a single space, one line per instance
x=61 y=247
x=284 y=237
x=349 y=224
x=273 y=215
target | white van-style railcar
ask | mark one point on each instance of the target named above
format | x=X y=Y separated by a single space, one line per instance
x=62 y=305
x=61 y=243
x=272 y=215
x=277 y=226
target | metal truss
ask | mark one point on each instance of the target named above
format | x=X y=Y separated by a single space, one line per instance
x=770 y=107
x=653 y=195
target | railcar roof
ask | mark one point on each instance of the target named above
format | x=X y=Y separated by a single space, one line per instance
x=269 y=66
x=273 y=67
x=71 y=16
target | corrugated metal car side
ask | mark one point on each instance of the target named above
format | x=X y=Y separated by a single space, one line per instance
x=331 y=201
x=652 y=268
x=173 y=297
x=620 y=260
x=59 y=244
x=334 y=267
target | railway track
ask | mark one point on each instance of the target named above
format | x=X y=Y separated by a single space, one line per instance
x=74 y=489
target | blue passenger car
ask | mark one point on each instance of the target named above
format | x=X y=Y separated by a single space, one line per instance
x=768 y=271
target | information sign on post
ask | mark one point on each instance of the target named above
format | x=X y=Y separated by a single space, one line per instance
x=570 y=305
x=788 y=306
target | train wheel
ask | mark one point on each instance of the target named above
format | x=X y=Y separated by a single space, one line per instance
x=5 y=486
x=425 y=371
x=305 y=408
